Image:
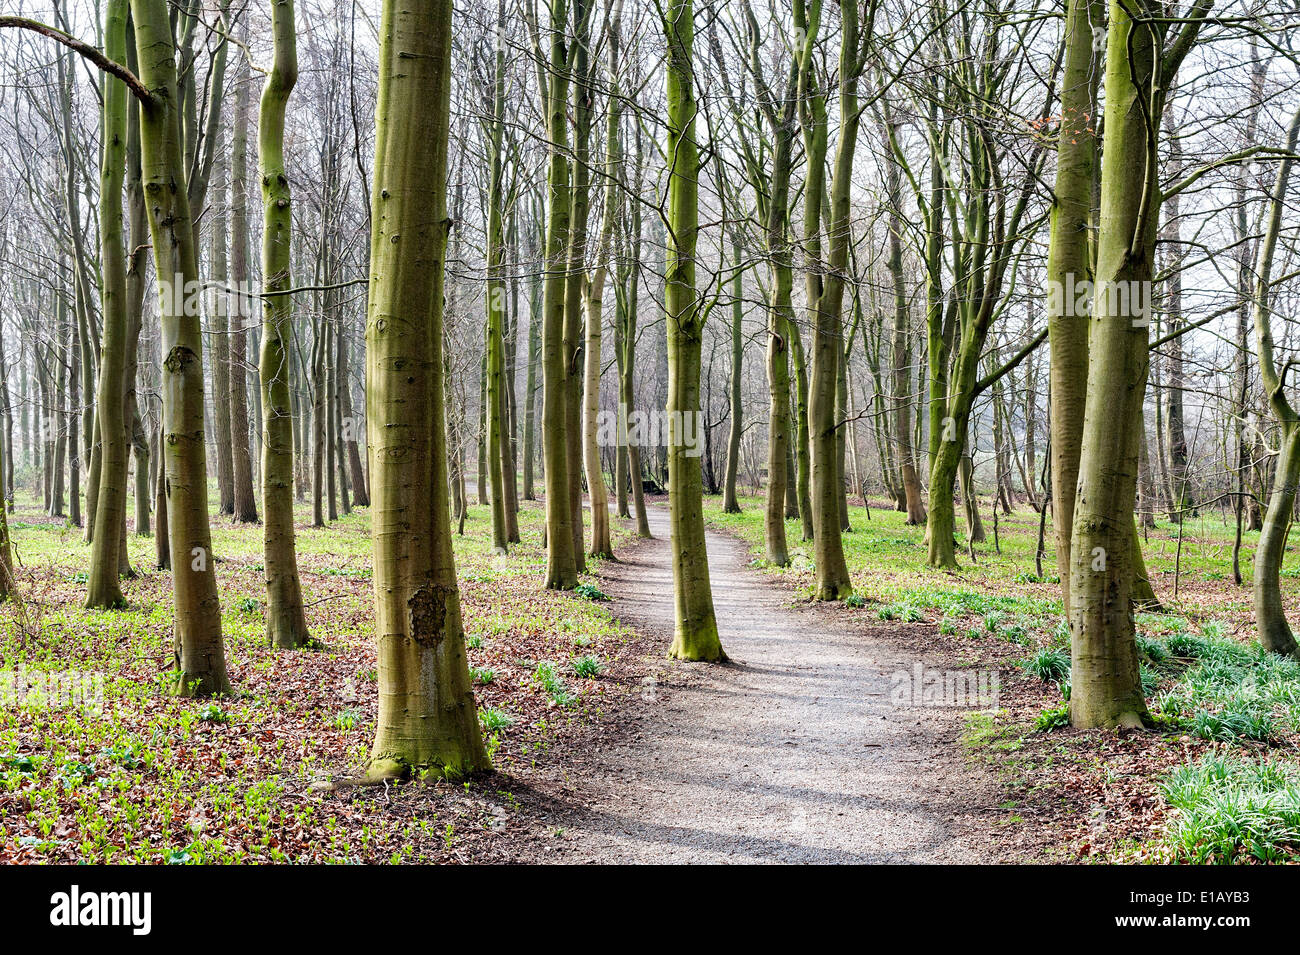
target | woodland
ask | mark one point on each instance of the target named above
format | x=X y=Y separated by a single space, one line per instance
x=404 y=406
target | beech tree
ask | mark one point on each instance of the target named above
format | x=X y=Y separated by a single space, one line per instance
x=695 y=633
x=427 y=719
x=286 y=624
x=1105 y=686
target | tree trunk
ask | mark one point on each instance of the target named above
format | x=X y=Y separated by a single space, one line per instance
x=530 y=389
x=695 y=633
x=103 y=588
x=601 y=543
x=576 y=278
x=495 y=412
x=427 y=720
x=241 y=316
x=1106 y=688
x=800 y=431
x=561 y=562
x=199 y=654
x=729 y=503
x=826 y=290
x=218 y=301
x=286 y=624
x=1270 y=618
x=1067 y=266
x=900 y=384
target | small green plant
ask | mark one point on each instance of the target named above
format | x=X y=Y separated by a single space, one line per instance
x=1152 y=649
x=905 y=612
x=1234 y=722
x=482 y=675
x=590 y=592
x=248 y=605
x=1212 y=630
x=1231 y=809
x=948 y=626
x=347 y=719
x=1055 y=718
x=1048 y=664
x=1150 y=679
x=547 y=677
x=1187 y=645
x=494 y=720
x=474 y=642
x=212 y=713
x=587 y=667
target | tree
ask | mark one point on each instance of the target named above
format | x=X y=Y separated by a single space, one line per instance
x=427 y=720
x=909 y=482
x=241 y=454
x=1067 y=264
x=496 y=296
x=199 y=654
x=1270 y=616
x=772 y=196
x=286 y=624
x=826 y=283
x=695 y=633
x=1106 y=689
x=103 y=587
x=601 y=543
x=729 y=503
x=553 y=84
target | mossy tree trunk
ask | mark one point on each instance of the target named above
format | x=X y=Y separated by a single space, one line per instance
x=286 y=624
x=241 y=452
x=561 y=562
x=736 y=426
x=695 y=634
x=907 y=481
x=199 y=654
x=601 y=542
x=494 y=372
x=104 y=588
x=427 y=721
x=1270 y=616
x=768 y=167
x=1106 y=689
x=219 y=303
x=582 y=89
x=826 y=281
x=628 y=300
x=1068 y=264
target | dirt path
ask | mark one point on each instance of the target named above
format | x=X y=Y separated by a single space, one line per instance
x=792 y=753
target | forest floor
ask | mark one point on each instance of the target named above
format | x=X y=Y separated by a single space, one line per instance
x=149 y=777
x=809 y=746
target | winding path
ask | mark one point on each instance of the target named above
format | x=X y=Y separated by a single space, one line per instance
x=792 y=753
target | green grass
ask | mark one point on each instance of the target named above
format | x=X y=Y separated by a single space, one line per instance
x=1230 y=809
x=1049 y=664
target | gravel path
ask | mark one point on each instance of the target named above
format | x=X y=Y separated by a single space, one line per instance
x=792 y=753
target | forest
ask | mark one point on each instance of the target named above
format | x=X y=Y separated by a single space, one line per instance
x=688 y=431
